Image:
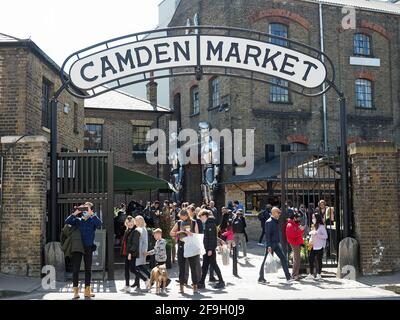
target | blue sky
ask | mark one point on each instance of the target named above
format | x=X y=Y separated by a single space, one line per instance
x=60 y=27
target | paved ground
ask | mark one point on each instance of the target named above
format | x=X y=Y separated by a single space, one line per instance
x=242 y=288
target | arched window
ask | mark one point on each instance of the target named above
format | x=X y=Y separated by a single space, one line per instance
x=281 y=30
x=362 y=44
x=364 y=98
x=195 y=100
x=214 y=92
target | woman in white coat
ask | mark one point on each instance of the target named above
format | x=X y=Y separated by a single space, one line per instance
x=143 y=248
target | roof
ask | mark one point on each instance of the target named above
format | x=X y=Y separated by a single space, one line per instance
x=7 y=38
x=13 y=42
x=120 y=100
x=126 y=180
x=369 y=5
x=269 y=170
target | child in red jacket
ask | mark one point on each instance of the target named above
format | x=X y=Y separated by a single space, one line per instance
x=294 y=235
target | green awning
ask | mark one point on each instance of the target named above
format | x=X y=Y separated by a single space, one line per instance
x=128 y=180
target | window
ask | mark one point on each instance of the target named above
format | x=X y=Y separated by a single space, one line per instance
x=278 y=94
x=364 y=93
x=269 y=152
x=76 y=130
x=362 y=44
x=139 y=139
x=195 y=100
x=93 y=137
x=281 y=30
x=46 y=107
x=214 y=93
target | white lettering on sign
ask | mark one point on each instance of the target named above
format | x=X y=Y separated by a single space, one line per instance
x=181 y=51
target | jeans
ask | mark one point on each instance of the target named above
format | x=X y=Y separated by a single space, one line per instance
x=296 y=260
x=141 y=273
x=130 y=266
x=316 y=253
x=210 y=261
x=76 y=265
x=276 y=249
x=262 y=235
x=193 y=264
x=241 y=238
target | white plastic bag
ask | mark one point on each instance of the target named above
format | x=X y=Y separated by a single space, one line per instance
x=193 y=245
x=225 y=255
x=272 y=264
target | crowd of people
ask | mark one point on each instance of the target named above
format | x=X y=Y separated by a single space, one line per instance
x=172 y=223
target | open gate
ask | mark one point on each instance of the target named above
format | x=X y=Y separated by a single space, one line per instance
x=83 y=177
x=308 y=177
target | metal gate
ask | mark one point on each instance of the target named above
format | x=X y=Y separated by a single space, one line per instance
x=306 y=178
x=83 y=177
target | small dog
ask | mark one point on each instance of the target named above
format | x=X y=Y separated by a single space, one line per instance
x=159 y=275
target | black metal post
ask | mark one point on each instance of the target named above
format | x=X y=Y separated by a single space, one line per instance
x=54 y=223
x=235 y=261
x=344 y=164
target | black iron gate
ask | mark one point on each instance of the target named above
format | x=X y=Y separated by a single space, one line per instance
x=306 y=178
x=83 y=177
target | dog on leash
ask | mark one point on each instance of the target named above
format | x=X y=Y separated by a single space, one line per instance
x=159 y=275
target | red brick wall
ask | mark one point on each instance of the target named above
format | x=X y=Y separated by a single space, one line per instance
x=376 y=195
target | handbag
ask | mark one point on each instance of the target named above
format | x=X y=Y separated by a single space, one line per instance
x=193 y=245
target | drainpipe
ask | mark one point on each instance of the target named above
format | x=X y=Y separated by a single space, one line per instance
x=324 y=100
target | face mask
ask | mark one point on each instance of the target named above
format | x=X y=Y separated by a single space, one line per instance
x=314 y=221
x=85 y=213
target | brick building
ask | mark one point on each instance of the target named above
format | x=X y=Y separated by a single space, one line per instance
x=367 y=63
x=117 y=121
x=28 y=79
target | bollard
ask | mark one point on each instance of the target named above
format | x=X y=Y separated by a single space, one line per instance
x=235 y=260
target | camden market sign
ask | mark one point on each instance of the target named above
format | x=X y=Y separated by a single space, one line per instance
x=127 y=60
x=214 y=51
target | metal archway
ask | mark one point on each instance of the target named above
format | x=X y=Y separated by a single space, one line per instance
x=197 y=66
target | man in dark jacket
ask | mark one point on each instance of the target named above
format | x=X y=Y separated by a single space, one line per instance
x=239 y=231
x=210 y=245
x=263 y=217
x=87 y=221
x=215 y=212
x=273 y=244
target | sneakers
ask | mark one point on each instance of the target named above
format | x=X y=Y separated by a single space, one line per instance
x=309 y=277
x=134 y=285
x=262 y=281
x=260 y=244
x=201 y=286
x=318 y=277
x=126 y=289
x=289 y=281
x=220 y=285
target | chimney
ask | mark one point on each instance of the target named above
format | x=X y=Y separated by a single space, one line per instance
x=151 y=87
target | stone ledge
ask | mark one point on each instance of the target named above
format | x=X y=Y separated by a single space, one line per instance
x=372 y=148
x=26 y=139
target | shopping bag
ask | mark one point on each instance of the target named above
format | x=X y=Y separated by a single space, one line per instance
x=225 y=255
x=193 y=245
x=271 y=265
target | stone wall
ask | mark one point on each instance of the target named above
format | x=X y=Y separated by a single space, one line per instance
x=376 y=195
x=22 y=223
